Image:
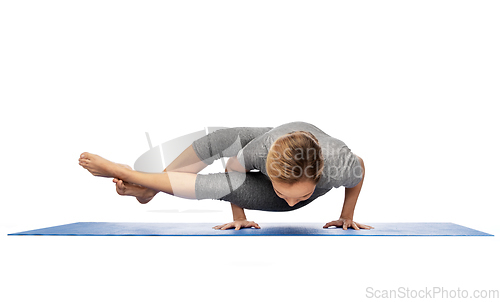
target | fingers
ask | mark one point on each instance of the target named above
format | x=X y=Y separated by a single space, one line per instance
x=350 y=224
x=332 y=223
x=345 y=224
x=364 y=226
x=237 y=225
x=217 y=227
x=335 y=223
x=252 y=224
x=227 y=226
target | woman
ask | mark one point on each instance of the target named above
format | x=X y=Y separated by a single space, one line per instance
x=296 y=162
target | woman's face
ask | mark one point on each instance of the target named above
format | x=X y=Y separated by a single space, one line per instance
x=293 y=194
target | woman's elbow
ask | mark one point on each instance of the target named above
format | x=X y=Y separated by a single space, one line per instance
x=362 y=163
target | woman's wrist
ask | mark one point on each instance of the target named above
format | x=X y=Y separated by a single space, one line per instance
x=238 y=213
x=347 y=216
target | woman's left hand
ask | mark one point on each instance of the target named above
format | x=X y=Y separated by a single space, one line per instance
x=347 y=223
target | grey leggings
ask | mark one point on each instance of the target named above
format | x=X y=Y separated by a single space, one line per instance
x=251 y=190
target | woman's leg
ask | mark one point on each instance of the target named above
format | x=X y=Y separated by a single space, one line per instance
x=202 y=152
x=251 y=190
x=176 y=183
x=187 y=162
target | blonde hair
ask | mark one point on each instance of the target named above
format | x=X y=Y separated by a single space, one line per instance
x=294 y=157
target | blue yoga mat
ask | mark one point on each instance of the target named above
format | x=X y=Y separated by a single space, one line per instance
x=267 y=229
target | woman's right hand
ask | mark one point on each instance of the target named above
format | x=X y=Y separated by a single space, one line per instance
x=237 y=225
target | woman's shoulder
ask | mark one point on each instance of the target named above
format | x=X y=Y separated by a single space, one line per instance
x=297 y=124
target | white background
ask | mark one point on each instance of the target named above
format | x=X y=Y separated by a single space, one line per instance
x=410 y=86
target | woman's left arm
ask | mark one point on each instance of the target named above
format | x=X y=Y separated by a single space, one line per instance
x=351 y=197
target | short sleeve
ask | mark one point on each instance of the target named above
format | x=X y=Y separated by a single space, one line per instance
x=354 y=173
x=253 y=156
x=245 y=159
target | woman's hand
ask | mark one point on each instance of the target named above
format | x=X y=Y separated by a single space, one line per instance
x=237 y=224
x=347 y=223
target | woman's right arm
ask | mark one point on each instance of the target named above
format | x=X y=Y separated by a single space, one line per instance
x=239 y=217
x=240 y=220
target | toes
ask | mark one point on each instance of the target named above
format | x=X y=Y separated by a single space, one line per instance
x=84 y=162
x=120 y=187
x=84 y=159
x=88 y=156
x=119 y=191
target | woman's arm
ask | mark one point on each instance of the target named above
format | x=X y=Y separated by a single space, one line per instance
x=239 y=217
x=351 y=197
x=234 y=165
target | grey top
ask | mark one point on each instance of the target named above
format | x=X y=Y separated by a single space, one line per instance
x=251 y=145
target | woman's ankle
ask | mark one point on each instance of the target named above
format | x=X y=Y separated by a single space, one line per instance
x=122 y=172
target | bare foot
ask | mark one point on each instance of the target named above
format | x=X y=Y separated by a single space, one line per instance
x=143 y=194
x=99 y=166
